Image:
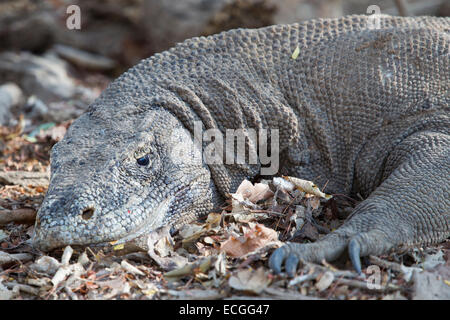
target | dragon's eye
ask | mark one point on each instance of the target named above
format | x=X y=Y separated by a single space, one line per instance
x=143 y=161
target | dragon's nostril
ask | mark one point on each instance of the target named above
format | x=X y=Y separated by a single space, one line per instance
x=87 y=213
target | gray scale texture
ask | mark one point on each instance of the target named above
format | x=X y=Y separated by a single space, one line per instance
x=363 y=109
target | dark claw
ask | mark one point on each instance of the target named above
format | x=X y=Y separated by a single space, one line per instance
x=276 y=259
x=291 y=265
x=353 y=251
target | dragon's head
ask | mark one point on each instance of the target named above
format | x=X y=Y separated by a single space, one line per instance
x=120 y=173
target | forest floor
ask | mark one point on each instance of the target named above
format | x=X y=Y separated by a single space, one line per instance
x=221 y=256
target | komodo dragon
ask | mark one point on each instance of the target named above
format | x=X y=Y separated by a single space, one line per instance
x=364 y=106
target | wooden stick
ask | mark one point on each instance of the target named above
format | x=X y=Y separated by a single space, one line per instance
x=25 y=215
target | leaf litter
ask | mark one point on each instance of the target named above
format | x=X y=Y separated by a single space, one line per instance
x=222 y=256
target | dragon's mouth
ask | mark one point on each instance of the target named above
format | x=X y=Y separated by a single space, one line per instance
x=50 y=238
x=154 y=220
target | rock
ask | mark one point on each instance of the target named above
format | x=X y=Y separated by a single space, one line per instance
x=433 y=260
x=36 y=109
x=54 y=94
x=108 y=27
x=45 y=76
x=430 y=286
x=242 y=14
x=189 y=18
x=291 y=11
x=169 y=22
x=26 y=25
x=111 y=28
x=84 y=59
x=10 y=96
x=199 y=17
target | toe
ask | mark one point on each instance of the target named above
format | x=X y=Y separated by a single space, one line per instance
x=276 y=259
x=291 y=264
x=354 y=250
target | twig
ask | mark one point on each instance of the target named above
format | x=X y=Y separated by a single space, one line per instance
x=22 y=287
x=17 y=257
x=329 y=267
x=385 y=264
x=286 y=295
x=303 y=278
x=365 y=286
x=18 y=216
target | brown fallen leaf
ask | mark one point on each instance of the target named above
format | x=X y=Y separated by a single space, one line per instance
x=253 y=193
x=191 y=232
x=200 y=266
x=313 y=202
x=255 y=237
x=249 y=280
x=160 y=249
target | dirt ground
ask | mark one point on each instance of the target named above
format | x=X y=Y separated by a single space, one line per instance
x=222 y=256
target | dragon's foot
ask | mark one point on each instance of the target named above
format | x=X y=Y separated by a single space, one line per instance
x=373 y=242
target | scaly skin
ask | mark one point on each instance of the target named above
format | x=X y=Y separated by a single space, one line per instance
x=365 y=109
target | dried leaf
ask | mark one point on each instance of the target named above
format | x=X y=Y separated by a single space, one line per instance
x=191 y=268
x=3 y=235
x=253 y=193
x=314 y=202
x=5 y=294
x=250 y=280
x=295 y=53
x=326 y=279
x=46 y=265
x=66 y=270
x=197 y=294
x=283 y=184
x=307 y=186
x=191 y=232
x=221 y=264
x=310 y=231
x=118 y=247
x=83 y=259
x=161 y=237
x=164 y=246
x=130 y=268
x=255 y=237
